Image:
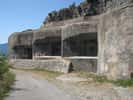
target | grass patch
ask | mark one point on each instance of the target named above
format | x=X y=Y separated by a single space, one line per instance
x=49 y=75
x=124 y=83
x=103 y=79
x=96 y=78
x=5 y=83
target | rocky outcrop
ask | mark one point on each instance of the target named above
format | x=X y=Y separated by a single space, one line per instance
x=86 y=8
x=111 y=4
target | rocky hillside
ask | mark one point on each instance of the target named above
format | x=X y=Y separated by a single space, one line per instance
x=86 y=8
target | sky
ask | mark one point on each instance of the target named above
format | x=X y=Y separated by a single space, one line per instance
x=19 y=15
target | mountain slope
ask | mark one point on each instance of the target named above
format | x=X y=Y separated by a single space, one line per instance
x=4 y=48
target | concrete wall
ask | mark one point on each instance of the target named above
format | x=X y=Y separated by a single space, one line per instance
x=60 y=65
x=91 y=19
x=79 y=28
x=116 y=43
x=20 y=44
x=51 y=65
x=21 y=39
x=87 y=65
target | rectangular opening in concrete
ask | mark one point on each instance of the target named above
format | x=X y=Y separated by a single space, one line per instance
x=50 y=46
x=82 y=45
x=23 y=52
x=131 y=75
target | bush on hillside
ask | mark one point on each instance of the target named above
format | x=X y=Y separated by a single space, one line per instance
x=6 y=78
x=3 y=67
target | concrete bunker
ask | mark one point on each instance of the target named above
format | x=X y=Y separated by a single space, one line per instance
x=76 y=41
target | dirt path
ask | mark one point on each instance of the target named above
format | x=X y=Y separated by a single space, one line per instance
x=31 y=87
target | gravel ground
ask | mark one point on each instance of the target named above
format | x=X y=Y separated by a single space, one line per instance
x=31 y=87
x=95 y=91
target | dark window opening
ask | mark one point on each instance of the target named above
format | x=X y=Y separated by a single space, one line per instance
x=132 y=75
x=48 y=47
x=56 y=49
x=81 y=45
x=23 y=52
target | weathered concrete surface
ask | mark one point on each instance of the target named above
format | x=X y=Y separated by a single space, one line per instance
x=115 y=43
x=20 y=44
x=86 y=26
x=65 y=66
x=88 y=65
x=111 y=4
x=51 y=65
x=31 y=87
x=21 y=39
x=44 y=33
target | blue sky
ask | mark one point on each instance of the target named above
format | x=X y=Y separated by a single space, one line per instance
x=19 y=15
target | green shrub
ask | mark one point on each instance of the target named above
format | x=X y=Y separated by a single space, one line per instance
x=6 y=78
x=124 y=83
x=3 y=67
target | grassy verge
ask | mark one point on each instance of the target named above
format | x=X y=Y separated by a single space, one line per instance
x=5 y=83
x=46 y=74
x=124 y=83
x=6 y=78
x=49 y=75
x=103 y=79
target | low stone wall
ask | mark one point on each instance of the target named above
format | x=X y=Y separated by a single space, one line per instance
x=61 y=65
x=51 y=65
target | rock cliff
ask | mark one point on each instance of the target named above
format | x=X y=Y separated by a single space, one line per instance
x=86 y=8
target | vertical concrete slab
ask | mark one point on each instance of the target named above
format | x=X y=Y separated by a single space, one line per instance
x=115 y=43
